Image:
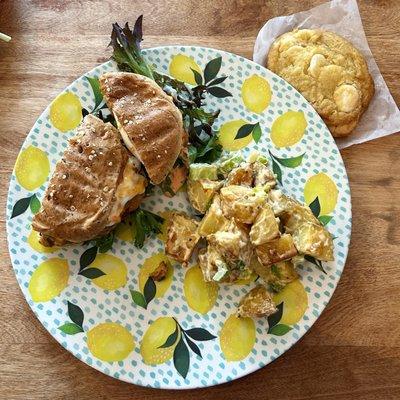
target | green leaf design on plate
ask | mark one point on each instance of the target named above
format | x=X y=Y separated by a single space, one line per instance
x=219 y=92
x=217 y=81
x=84 y=112
x=171 y=339
x=91 y=273
x=274 y=318
x=315 y=207
x=193 y=346
x=316 y=262
x=87 y=257
x=138 y=298
x=200 y=334
x=69 y=328
x=257 y=132
x=34 y=204
x=95 y=84
x=244 y=131
x=149 y=290
x=291 y=162
x=181 y=358
x=279 y=330
x=277 y=171
x=325 y=219
x=20 y=206
x=197 y=77
x=75 y=314
x=212 y=68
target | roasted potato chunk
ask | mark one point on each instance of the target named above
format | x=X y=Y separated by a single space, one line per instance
x=182 y=237
x=210 y=262
x=296 y=216
x=276 y=250
x=280 y=274
x=257 y=303
x=277 y=276
x=263 y=176
x=216 y=269
x=265 y=227
x=160 y=272
x=242 y=176
x=214 y=220
x=233 y=244
x=241 y=203
x=201 y=192
x=314 y=240
x=258 y=268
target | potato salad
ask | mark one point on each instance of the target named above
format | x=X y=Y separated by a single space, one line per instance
x=246 y=225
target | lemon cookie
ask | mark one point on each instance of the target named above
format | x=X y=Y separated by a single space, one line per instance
x=330 y=73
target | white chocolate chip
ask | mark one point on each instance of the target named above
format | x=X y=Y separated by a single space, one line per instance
x=347 y=98
x=317 y=61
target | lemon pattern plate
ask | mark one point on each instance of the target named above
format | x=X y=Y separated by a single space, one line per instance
x=180 y=332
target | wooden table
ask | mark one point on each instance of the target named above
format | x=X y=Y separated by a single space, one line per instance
x=353 y=350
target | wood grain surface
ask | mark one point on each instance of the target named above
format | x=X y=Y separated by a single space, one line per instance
x=353 y=350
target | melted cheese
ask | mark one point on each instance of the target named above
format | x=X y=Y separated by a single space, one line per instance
x=131 y=185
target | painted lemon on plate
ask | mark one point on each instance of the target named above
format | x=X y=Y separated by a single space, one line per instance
x=295 y=302
x=49 y=279
x=156 y=335
x=227 y=134
x=200 y=295
x=110 y=342
x=181 y=67
x=288 y=129
x=114 y=269
x=237 y=338
x=32 y=168
x=321 y=185
x=33 y=241
x=256 y=93
x=149 y=266
x=66 y=112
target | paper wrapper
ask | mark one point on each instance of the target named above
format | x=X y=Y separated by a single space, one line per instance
x=343 y=17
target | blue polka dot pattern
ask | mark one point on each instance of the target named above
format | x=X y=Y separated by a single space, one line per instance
x=321 y=155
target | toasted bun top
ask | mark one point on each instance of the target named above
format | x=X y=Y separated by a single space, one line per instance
x=149 y=122
x=78 y=201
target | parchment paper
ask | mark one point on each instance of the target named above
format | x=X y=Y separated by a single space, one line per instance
x=343 y=17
